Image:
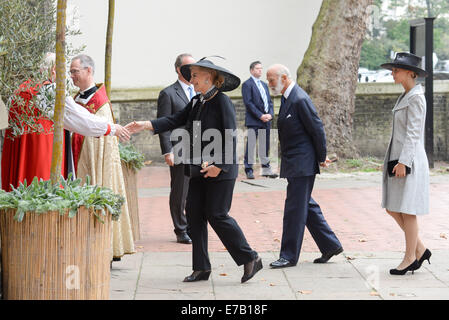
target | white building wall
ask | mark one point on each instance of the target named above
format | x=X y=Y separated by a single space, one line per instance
x=149 y=34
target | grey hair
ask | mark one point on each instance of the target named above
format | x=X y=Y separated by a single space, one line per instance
x=86 y=61
x=178 y=62
x=48 y=62
x=281 y=69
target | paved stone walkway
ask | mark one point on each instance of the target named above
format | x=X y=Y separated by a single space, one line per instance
x=372 y=241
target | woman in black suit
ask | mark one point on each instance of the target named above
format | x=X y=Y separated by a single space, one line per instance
x=212 y=171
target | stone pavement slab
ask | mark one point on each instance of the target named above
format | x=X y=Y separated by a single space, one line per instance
x=349 y=276
x=372 y=241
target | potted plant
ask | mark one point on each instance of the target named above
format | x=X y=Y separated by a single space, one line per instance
x=132 y=161
x=56 y=240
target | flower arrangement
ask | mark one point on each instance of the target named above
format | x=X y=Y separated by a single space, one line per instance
x=130 y=155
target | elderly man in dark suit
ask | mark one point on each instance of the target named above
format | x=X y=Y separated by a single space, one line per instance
x=303 y=149
x=259 y=113
x=171 y=100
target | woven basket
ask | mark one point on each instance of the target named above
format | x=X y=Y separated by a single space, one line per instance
x=130 y=177
x=53 y=257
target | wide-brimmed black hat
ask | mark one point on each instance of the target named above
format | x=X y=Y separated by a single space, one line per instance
x=231 y=81
x=408 y=61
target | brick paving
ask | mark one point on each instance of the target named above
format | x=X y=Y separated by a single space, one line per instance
x=353 y=212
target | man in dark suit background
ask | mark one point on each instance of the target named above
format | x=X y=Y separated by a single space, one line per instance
x=171 y=100
x=303 y=148
x=259 y=113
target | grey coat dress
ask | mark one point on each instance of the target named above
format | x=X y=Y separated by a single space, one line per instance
x=409 y=194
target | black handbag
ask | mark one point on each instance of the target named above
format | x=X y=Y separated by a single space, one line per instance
x=391 y=164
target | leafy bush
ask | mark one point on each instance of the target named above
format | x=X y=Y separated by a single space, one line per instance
x=43 y=196
x=130 y=155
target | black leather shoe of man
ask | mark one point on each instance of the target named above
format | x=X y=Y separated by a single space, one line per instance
x=183 y=238
x=249 y=175
x=325 y=257
x=281 y=263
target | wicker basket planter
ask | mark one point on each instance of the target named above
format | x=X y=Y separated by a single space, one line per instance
x=130 y=178
x=51 y=256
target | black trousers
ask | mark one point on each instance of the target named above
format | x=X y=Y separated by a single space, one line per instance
x=210 y=201
x=179 y=184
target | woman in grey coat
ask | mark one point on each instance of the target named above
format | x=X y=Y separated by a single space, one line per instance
x=405 y=187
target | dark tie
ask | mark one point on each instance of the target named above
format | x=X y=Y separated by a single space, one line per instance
x=282 y=100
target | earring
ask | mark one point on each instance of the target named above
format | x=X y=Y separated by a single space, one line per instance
x=206 y=81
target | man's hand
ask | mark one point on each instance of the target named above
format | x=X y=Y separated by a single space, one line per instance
x=170 y=159
x=266 y=117
x=137 y=126
x=326 y=163
x=122 y=133
x=211 y=171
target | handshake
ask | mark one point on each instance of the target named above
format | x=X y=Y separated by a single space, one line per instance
x=125 y=133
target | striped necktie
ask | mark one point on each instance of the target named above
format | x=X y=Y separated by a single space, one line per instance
x=191 y=93
x=263 y=94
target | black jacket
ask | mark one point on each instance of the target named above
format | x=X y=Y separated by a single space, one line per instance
x=217 y=139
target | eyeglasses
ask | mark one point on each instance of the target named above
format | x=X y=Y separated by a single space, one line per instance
x=76 y=71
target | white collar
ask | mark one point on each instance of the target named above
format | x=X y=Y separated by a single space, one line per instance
x=255 y=79
x=185 y=86
x=289 y=89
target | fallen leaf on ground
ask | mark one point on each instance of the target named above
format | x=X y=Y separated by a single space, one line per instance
x=277 y=240
x=350 y=258
x=223 y=274
x=442 y=235
x=140 y=247
x=374 y=293
x=272 y=284
x=362 y=240
x=147 y=162
x=305 y=291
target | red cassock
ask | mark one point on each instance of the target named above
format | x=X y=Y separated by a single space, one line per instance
x=29 y=155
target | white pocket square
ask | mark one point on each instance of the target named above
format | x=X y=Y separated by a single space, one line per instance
x=288 y=116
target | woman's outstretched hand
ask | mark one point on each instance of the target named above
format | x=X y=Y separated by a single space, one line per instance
x=137 y=126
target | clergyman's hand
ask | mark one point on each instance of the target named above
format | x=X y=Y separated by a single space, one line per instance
x=122 y=133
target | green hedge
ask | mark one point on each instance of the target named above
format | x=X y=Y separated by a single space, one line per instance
x=130 y=155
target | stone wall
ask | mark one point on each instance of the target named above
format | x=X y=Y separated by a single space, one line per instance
x=372 y=117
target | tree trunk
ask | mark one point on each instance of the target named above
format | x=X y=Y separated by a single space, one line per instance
x=329 y=70
x=108 y=54
x=58 y=136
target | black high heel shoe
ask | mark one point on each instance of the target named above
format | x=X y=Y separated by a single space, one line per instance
x=426 y=256
x=197 y=276
x=411 y=268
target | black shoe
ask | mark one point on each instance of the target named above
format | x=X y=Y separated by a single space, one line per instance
x=116 y=259
x=281 y=263
x=426 y=256
x=197 y=276
x=326 y=256
x=183 y=238
x=251 y=268
x=249 y=175
x=414 y=266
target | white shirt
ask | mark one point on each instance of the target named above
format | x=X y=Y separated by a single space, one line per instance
x=186 y=87
x=288 y=90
